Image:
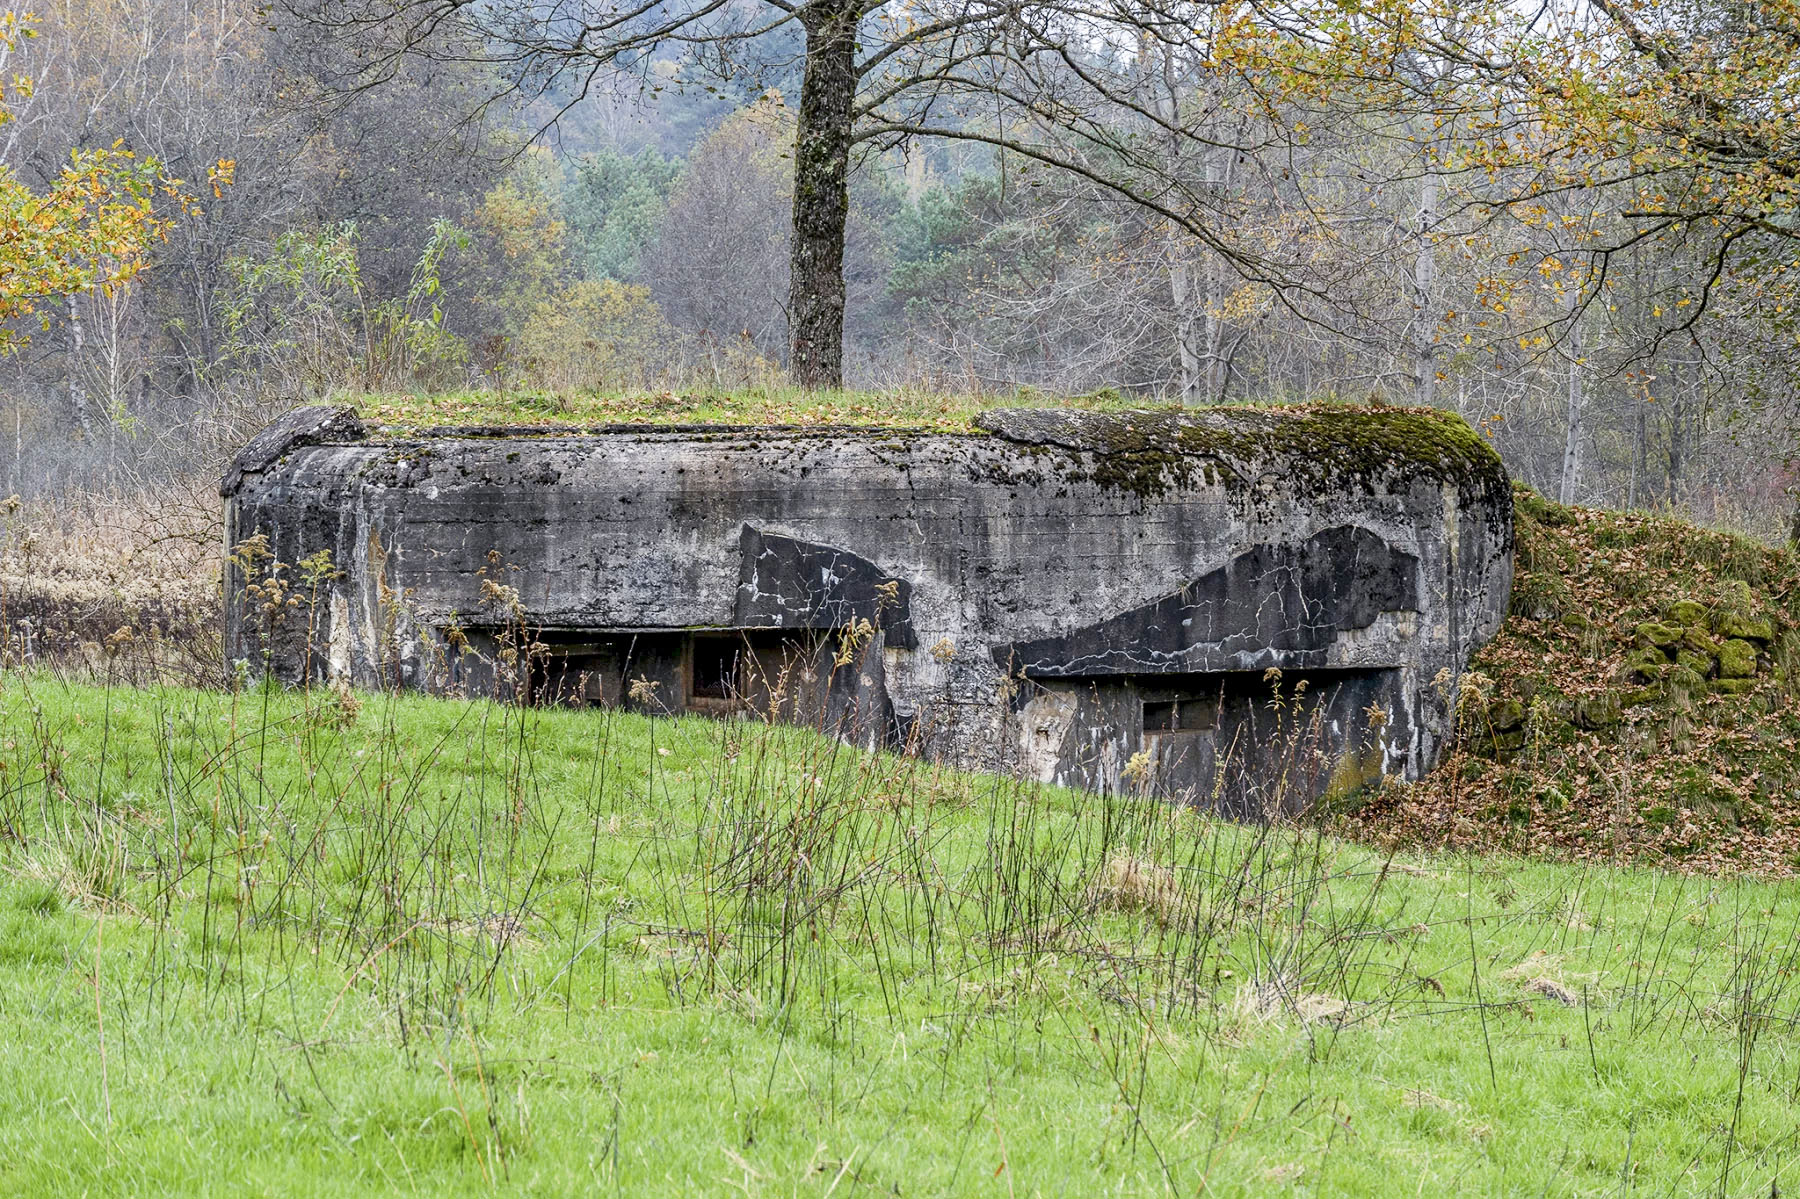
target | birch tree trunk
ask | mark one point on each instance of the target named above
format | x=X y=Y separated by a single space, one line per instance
x=1182 y=296
x=1187 y=327
x=1197 y=289
x=1221 y=164
x=1640 y=452
x=1571 y=463
x=1214 y=316
x=78 y=397
x=1423 y=281
x=1678 y=441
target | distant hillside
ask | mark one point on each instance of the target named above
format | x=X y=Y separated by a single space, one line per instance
x=1638 y=703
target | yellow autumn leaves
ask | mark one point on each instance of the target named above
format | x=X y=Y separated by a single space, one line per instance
x=89 y=229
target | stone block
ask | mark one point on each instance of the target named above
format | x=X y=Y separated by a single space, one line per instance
x=1595 y=712
x=1647 y=664
x=1737 y=659
x=1685 y=612
x=1505 y=714
x=1745 y=628
x=1684 y=678
x=1701 y=666
x=1697 y=639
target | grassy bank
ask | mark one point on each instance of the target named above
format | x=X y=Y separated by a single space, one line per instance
x=331 y=944
x=1641 y=701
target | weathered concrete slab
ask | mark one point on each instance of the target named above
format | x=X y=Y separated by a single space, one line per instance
x=1086 y=598
x=303 y=426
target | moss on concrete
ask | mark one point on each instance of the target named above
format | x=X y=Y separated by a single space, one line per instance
x=1150 y=452
x=1144 y=450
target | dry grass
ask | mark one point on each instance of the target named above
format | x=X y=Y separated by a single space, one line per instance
x=1540 y=974
x=122 y=584
x=1270 y=1000
x=1131 y=884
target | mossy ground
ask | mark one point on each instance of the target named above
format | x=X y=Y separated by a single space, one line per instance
x=1638 y=703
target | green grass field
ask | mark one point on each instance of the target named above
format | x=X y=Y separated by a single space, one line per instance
x=322 y=944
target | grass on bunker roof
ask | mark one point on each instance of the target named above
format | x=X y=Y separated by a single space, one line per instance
x=335 y=944
x=908 y=408
x=896 y=407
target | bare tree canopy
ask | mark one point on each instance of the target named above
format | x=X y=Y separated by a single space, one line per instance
x=1160 y=108
x=1572 y=223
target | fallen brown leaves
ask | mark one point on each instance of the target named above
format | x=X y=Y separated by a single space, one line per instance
x=1692 y=781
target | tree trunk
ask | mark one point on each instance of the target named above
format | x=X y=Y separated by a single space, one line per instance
x=822 y=195
x=1640 y=452
x=1187 y=328
x=1162 y=75
x=78 y=397
x=1221 y=173
x=1214 y=338
x=1571 y=464
x=1677 y=422
x=1423 y=281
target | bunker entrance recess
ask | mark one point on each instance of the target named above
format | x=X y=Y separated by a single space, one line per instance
x=1245 y=743
x=777 y=673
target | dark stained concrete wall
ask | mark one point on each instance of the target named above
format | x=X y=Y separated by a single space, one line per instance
x=1026 y=589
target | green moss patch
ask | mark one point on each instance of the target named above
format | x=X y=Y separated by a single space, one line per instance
x=1152 y=451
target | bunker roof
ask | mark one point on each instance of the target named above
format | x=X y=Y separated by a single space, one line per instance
x=1146 y=451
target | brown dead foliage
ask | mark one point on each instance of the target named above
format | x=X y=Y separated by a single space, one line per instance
x=115 y=585
x=1614 y=767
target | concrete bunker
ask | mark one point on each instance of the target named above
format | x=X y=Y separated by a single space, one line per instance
x=1245 y=608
